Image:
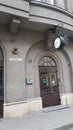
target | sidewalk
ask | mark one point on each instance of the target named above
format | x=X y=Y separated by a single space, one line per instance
x=52 y=118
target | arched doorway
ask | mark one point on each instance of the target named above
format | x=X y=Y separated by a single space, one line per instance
x=49 y=88
x=1 y=83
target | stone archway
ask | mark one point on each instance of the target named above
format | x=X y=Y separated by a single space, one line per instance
x=36 y=52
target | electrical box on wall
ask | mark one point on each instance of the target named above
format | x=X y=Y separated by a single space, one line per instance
x=29 y=81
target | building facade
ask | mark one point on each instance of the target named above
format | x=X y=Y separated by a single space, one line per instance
x=32 y=74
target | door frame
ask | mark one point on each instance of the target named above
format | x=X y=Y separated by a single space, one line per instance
x=50 y=67
x=2 y=66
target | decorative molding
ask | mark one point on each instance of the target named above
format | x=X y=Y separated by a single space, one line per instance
x=15 y=51
x=14 y=25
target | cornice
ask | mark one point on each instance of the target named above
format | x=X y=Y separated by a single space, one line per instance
x=52 y=7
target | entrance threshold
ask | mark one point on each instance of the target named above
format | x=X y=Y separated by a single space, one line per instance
x=55 y=108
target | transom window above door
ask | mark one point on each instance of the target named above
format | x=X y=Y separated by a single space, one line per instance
x=47 y=61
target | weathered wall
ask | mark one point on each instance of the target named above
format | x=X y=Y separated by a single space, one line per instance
x=32 y=70
x=16 y=7
x=17 y=68
x=14 y=84
x=24 y=65
x=60 y=4
x=50 y=15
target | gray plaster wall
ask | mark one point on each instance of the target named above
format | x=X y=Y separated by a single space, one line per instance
x=65 y=84
x=14 y=80
x=17 y=68
x=60 y=3
x=16 y=7
x=69 y=5
x=38 y=12
x=36 y=52
x=69 y=50
x=18 y=4
x=24 y=5
x=49 y=15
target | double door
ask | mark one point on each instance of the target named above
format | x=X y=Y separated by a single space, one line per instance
x=49 y=88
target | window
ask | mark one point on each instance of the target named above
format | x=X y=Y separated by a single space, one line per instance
x=47 y=1
x=38 y=0
x=52 y=2
x=47 y=61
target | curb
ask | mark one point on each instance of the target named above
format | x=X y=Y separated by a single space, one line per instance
x=65 y=127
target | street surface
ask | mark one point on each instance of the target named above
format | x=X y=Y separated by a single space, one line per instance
x=52 y=118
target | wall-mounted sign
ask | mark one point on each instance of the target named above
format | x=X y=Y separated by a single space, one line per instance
x=15 y=51
x=15 y=59
x=29 y=81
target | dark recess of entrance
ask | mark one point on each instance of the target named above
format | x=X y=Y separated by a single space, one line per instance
x=49 y=88
x=1 y=83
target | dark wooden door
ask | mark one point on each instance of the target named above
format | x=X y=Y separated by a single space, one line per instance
x=1 y=89
x=49 y=87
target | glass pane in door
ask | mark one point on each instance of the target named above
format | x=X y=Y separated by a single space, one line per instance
x=53 y=82
x=44 y=82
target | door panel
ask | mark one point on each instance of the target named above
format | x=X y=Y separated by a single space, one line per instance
x=49 y=88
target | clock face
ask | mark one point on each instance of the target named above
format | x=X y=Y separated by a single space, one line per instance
x=57 y=43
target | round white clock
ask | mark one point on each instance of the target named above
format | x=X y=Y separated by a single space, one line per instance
x=57 y=43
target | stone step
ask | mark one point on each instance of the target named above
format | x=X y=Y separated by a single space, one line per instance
x=55 y=108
